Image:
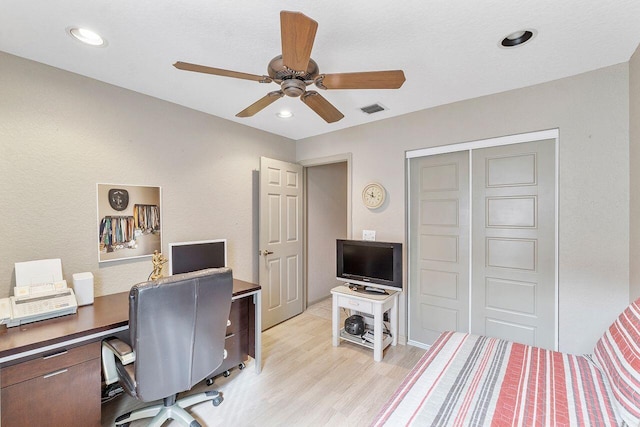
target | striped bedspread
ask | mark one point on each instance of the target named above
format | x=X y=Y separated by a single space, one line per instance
x=470 y=380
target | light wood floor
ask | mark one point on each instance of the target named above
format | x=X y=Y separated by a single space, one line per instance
x=305 y=381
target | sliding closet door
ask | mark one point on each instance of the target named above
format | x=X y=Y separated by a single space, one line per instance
x=438 y=246
x=513 y=292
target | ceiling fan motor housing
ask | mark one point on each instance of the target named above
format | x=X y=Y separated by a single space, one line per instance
x=278 y=71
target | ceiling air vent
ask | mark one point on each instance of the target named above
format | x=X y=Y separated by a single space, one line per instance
x=373 y=108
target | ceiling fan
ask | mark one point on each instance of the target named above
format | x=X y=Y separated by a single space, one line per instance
x=294 y=70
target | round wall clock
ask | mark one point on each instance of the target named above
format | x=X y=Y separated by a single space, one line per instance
x=373 y=195
x=118 y=199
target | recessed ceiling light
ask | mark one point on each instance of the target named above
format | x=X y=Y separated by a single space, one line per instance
x=86 y=36
x=518 y=38
x=284 y=114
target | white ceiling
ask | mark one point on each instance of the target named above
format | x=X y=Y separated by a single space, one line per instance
x=448 y=49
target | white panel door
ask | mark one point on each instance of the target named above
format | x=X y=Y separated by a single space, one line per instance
x=438 y=246
x=281 y=241
x=513 y=292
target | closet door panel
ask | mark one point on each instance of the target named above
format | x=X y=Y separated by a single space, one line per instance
x=513 y=234
x=439 y=245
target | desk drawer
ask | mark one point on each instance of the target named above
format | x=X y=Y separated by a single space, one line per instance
x=66 y=397
x=355 y=304
x=238 y=315
x=49 y=362
x=236 y=346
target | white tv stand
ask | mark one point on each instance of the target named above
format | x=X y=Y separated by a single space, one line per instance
x=373 y=304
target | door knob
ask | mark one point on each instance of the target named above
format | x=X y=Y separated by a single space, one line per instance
x=266 y=252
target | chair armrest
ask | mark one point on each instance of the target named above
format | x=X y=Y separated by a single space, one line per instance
x=112 y=348
x=120 y=349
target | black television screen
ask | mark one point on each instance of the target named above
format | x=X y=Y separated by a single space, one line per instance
x=186 y=257
x=369 y=263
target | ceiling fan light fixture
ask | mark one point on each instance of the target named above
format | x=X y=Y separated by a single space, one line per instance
x=517 y=38
x=293 y=87
x=284 y=114
x=86 y=36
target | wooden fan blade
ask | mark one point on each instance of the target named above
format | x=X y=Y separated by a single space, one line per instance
x=298 y=33
x=261 y=103
x=220 y=72
x=321 y=106
x=365 y=80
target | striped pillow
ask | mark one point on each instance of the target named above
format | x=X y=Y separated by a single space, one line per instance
x=618 y=353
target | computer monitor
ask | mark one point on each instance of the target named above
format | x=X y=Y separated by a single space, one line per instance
x=185 y=257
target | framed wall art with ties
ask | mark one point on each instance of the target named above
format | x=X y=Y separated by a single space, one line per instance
x=129 y=223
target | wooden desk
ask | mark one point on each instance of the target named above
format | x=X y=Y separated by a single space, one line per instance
x=45 y=350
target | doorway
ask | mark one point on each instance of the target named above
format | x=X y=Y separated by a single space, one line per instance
x=327 y=213
x=304 y=208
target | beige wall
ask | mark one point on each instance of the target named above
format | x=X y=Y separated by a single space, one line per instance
x=592 y=113
x=326 y=222
x=634 y=161
x=61 y=133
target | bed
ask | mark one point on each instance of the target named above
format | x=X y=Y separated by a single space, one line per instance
x=472 y=380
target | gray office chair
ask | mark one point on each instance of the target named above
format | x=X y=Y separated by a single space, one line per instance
x=177 y=327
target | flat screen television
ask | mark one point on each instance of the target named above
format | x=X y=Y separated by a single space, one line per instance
x=185 y=257
x=369 y=263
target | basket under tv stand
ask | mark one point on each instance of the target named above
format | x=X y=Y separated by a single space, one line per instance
x=374 y=304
